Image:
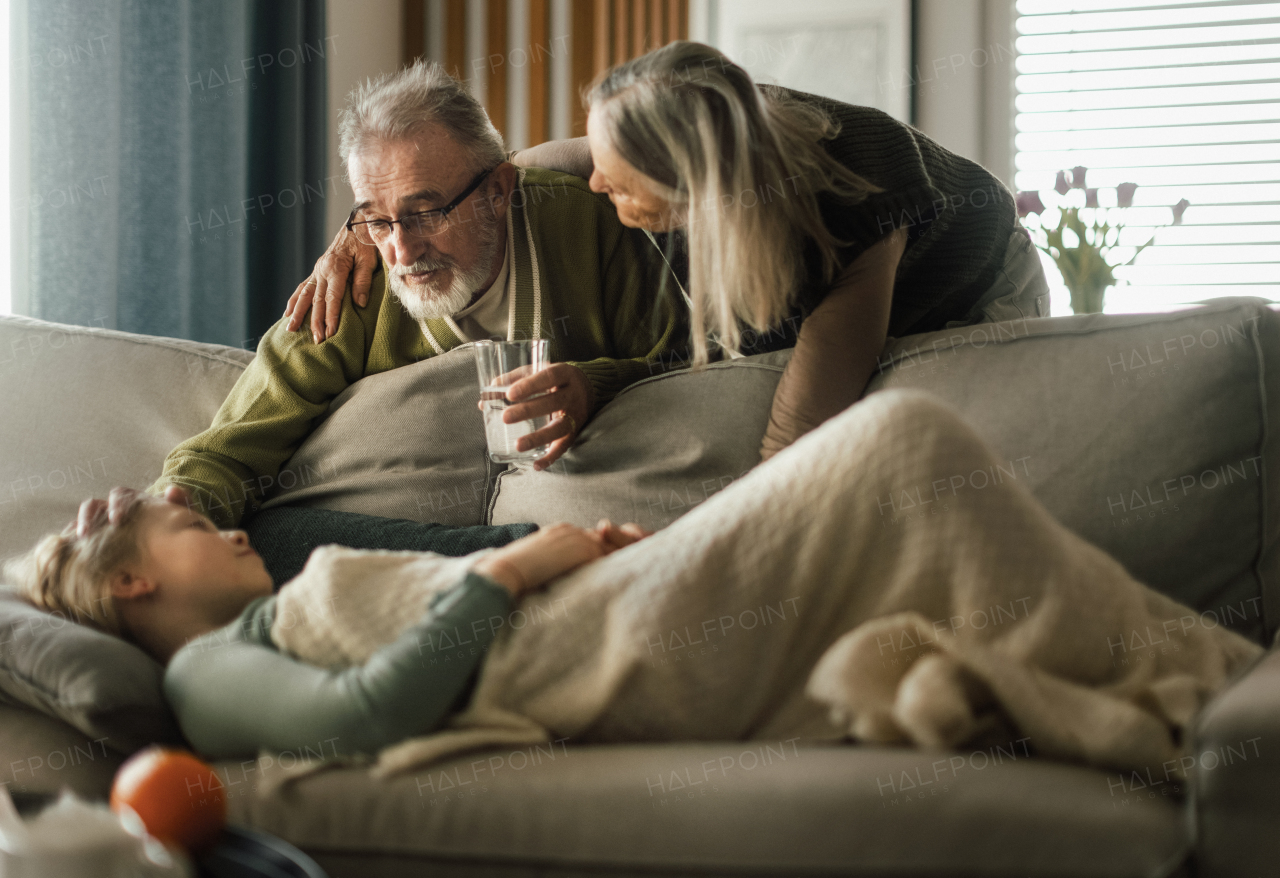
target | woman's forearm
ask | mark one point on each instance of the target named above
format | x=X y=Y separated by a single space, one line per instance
x=818 y=384
x=838 y=347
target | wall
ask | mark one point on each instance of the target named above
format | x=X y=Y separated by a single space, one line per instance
x=367 y=39
x=856 y=51
x=962 y=74
x=963 y=79
x=539 y=51
x=528 y=60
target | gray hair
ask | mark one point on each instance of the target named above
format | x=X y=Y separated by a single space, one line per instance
x=398 y=105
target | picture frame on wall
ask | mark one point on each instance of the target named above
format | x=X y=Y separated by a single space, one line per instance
x=856 y=51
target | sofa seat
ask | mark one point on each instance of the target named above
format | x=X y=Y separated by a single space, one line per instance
x=763 y=808
x=724 y=808
x=45 y=755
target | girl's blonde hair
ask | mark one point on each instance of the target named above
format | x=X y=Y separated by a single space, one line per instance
x=744 y=168
x=71 y=575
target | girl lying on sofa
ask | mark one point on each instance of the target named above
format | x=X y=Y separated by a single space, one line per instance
x=817 y=598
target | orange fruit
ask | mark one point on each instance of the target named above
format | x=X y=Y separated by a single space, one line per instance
x=180 y=799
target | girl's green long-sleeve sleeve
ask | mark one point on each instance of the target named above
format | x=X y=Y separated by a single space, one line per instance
x=234 y=693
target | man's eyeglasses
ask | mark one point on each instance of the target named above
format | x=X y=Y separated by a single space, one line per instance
x=423 y=224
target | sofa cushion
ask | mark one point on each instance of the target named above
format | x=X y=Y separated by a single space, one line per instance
x=1146 y=434
x=1235 y=768
x=406 y=444
x=40 y=754
x=760 y=808
x=660 y=448
x=86 y=409
x=105 y=688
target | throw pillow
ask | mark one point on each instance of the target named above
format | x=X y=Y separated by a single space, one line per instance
x=106 y=688
x=408 y=444
x=658 y=449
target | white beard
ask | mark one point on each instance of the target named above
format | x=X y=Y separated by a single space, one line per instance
x=430 y=301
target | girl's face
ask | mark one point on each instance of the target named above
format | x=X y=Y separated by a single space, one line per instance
x=630 y=191
x=198 y=565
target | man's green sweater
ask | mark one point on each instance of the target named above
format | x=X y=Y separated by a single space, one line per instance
x=582 y=281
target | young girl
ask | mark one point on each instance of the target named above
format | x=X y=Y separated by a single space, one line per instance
x=809 y=600
x=165 y=578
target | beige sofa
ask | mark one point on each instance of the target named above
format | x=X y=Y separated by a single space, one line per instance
x=1150 y=435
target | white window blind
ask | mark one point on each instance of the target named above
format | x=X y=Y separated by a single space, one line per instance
x=1180 y=97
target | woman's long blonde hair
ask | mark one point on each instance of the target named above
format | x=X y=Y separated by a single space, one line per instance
x=743 y=168
x=71 y=575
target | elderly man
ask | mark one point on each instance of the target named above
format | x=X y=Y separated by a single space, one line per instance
x=470 y=247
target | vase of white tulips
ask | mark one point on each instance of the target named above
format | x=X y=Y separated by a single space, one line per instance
x=1084 y=241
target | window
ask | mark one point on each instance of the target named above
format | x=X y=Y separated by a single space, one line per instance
x=1180 y=97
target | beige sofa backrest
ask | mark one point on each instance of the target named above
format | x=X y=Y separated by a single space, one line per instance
x=83 y=409
x=1147 y=434
x=1150 y=435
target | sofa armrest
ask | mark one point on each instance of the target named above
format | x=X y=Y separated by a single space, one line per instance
x=1236 y=776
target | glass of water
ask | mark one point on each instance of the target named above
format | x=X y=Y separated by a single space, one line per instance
x=501 y=364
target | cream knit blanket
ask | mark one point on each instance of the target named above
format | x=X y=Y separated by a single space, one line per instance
x=886 y=578
x=348 y=602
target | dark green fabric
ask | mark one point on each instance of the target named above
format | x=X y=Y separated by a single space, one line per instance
x=285 y=536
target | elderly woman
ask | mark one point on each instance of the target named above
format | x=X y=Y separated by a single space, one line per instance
x=794 y=221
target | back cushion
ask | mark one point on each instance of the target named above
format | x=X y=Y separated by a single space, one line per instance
x=106 y=688
x=83 y=409
x=408 y=443
x=1145 y=434
x=660 y=448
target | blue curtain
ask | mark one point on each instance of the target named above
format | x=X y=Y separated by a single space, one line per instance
x=168 y=162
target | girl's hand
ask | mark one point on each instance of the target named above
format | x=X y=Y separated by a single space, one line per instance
x=531 y=562
x=614 y=537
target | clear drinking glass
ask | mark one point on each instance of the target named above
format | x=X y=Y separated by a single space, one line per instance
x=501 y=364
